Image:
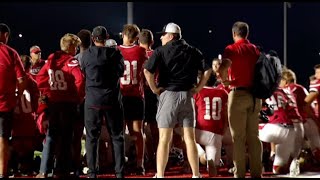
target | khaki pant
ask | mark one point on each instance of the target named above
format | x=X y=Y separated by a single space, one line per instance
x=243 y=116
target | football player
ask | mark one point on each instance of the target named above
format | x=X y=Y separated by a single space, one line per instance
x=133 y=101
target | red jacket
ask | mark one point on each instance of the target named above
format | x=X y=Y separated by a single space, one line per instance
x=61 y=79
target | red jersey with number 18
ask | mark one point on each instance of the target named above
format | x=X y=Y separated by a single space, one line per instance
x=211 y=109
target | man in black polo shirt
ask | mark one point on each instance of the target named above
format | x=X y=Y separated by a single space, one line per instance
x=103 y=67
x=178 y=64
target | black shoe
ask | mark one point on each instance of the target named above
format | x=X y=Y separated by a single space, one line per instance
x=92 y=176
x=140 y=171
x=119 y=176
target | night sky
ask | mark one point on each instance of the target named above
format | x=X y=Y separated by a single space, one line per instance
x=45 y=23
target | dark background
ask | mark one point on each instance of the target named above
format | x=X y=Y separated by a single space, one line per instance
x=45 y=23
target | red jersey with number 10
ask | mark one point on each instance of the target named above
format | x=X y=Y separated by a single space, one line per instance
x=24 y=123
x=211 y=107
x=61 y=79
x=134 y=58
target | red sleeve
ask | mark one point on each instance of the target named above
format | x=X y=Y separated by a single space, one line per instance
x=292 y=109
x=42 y=79
x=35 y=94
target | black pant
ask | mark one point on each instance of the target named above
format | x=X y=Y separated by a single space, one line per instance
x=115 y=125
x=59 y=138
x=76 y=141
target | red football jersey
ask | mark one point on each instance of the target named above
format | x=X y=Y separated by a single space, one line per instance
x=134 y=58
x=315 y=86
x=34 y=70
x=11 y=68
x=221 y=86
x=284 y=106
x=149 y=53
x=61 y=79
x=211 y=109
x=315 y=108
x=300 y=93
x=24 y=123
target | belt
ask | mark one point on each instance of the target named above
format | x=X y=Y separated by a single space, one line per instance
x=240 y=88
x=286 y=125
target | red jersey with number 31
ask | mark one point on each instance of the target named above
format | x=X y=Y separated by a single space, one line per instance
x=211 y=109
x=134 y=58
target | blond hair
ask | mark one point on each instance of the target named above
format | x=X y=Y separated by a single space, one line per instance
x=289 y=76
x=69 y=40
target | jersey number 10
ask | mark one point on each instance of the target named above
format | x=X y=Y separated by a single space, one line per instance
x=215 y=106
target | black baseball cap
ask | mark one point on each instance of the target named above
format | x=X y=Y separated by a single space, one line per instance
x=100 y=33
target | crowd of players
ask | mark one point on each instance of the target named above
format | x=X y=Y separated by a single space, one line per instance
x=289 y=125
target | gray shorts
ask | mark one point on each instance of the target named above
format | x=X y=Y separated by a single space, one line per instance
x=175 y=107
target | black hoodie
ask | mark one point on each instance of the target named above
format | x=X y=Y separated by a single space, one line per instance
x=102 y=67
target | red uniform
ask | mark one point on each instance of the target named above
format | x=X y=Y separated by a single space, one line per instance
x=35 y=69
x=300 y=93
x=11 y=68
x=315 y=86
x=149 y=53
x=24 y=123
x=221 y=86
x=211 y=107
x=134 y=58
x=61 y=79
x=284 y=106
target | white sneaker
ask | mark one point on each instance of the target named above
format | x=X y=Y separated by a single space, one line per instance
x=294 y=168
x=197 y=176
x=232 y=170
x=155 y=176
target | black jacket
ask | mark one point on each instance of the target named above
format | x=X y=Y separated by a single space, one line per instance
x=103 y=67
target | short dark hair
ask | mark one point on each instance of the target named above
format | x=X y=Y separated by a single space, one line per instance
x=85 y=37
x=4 y=28
x=273 y=53
x=100 y=34
x=146 y=36
x=176 y=36
x=241 y=29
x=317 y=66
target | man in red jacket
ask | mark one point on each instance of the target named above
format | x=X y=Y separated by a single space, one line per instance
x=62 y=83
x=12 y=73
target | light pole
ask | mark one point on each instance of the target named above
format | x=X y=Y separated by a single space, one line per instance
x=285 y=33
x=130 y=12
x=286 y=5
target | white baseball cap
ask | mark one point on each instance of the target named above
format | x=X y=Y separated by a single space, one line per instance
x=171 y=28
x=111 y=43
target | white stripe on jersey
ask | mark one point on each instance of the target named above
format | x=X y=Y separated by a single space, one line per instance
x=313 y=89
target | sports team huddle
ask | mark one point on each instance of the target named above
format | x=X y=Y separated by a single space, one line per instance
x=139 y=109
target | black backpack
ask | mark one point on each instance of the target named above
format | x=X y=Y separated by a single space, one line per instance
x=267 y=75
